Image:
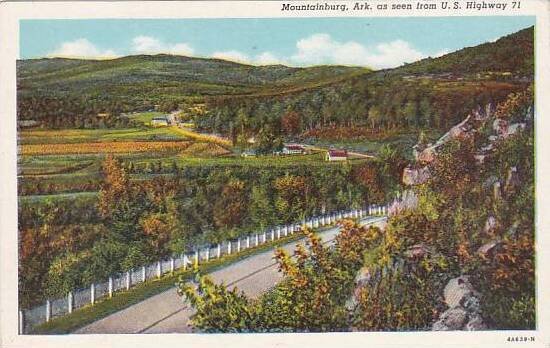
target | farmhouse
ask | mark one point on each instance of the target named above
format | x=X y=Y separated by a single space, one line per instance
x=293 y=149
x=159 y=121
x=336 y=155
x=248 y=153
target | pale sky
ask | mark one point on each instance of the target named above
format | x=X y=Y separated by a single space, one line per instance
x=373 y=42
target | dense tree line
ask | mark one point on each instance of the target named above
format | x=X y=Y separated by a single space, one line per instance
x=74 y=111
x=374 y=102
x=135 y=222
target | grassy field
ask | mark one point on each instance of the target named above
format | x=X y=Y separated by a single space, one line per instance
x=70 y=136
x=403 y=141
x=69 y=160
x=145 y=117
x=316 y=159
x=37 y=199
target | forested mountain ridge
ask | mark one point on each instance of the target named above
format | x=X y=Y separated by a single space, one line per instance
x=58 y=75
x=433 y=93
x=503 y=55
x=279 y=100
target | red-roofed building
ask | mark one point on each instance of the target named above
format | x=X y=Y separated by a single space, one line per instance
x=336 y=155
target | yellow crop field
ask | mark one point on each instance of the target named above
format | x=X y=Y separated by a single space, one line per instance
x=205 y=150
x=209 y=138
x=103 y=147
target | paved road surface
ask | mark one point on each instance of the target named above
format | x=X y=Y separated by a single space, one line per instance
x=166 y=313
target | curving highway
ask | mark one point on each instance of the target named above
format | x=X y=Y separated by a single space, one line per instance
x=167 y=313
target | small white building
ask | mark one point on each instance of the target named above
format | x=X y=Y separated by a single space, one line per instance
x=248 y=153
x=159 y=122
x=293 y=149
x=336 y=155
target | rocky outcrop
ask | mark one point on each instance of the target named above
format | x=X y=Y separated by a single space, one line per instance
x=407 y=201
x=362 y=279
x=492 y=226
x=512 y=181
x=415 y=176
x=487 y=249
x=417 y=251
x=464 y=304
x=502 y=128
x=461 y=131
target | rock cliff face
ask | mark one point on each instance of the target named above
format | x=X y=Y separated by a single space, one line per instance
x=486 y=128
x=419 y=172
x=464 y=311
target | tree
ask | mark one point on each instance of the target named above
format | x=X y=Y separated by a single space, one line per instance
x=292 y=195
x=115 y=188
x=291 y=122
x=409 y=112
x=261 y=211
x=217 y=308
x=157 y=232
x=230 y=208
x=119 y=204
x=375 y=117
x=368 y=176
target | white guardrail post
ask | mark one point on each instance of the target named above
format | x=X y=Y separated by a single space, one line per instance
x=21 y=322
x=48 y=310
x=70 y=302
x=128 y=280
x=219 y=251
x=92 y=293
x=111 y=286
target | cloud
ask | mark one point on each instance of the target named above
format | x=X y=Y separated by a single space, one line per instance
x=323 y=49
x=233 y=55
x=149 y=45
x=265 y=58
x=441 y=53
x=81 y=48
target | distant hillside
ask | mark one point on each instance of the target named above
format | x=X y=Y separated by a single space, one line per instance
x=163 y=73
x=432 y=93
x=511 y=53
x=60 y=92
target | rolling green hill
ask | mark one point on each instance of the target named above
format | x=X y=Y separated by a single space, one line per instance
x=433 y=92
x=512 y=53
x=63 y=93
x=205 y=76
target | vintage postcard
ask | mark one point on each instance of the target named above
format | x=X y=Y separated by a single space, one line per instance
x=274 y=173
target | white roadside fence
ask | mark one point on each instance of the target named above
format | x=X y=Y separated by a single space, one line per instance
x=30 y=318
